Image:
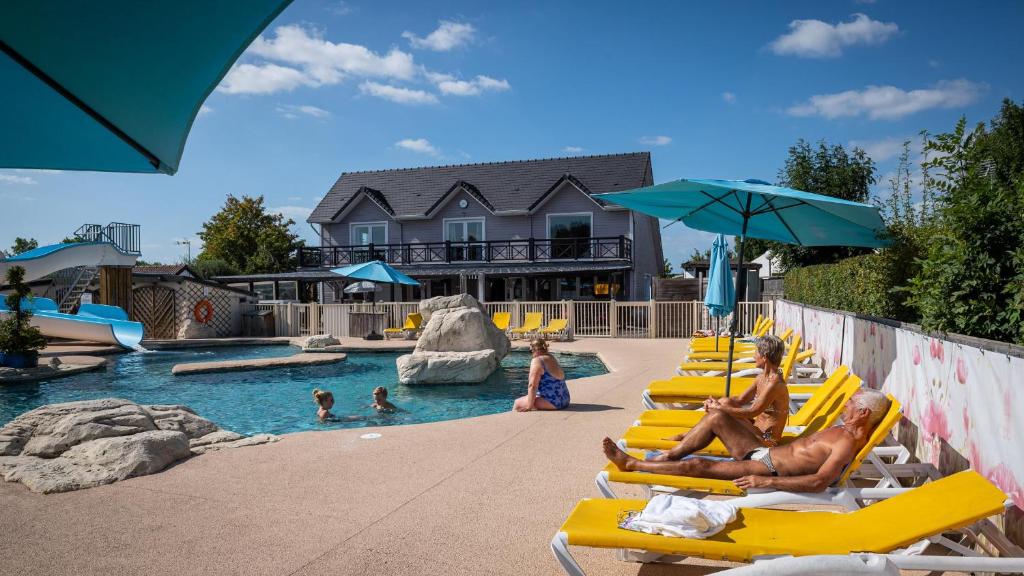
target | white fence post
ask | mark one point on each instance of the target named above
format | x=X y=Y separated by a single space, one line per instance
x=613 y=319
x=652 y=318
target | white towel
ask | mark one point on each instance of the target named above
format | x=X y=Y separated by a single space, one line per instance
x=683 y=517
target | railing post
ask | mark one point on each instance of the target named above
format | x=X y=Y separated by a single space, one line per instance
x=448 y=251
x=570 y=315
x=314 y=318
x=613 y=319
x=516 y=316
x=652 y=319
x=531 y=250
x=622 y=246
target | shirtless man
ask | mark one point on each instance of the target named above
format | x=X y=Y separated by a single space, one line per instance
x=756 y=417
x=808 y=464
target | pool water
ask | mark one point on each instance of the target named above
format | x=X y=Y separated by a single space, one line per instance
x=280 y=401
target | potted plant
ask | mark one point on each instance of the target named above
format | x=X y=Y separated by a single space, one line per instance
x=20 y=342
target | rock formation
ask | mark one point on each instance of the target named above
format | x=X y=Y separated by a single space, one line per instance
x=75 y=445
x=320 y=343
x=190 y=330
x=459 y=343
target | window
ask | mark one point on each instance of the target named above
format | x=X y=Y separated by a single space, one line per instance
x=263 y=290
x=288 y=290
x=466 y=236
x=570 y=235
x=364 y=233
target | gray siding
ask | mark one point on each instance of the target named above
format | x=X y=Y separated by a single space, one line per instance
x=339 y=234
x=568 y=199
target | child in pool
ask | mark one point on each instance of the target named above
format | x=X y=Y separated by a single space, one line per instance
x=325 y=400
x=380 y=400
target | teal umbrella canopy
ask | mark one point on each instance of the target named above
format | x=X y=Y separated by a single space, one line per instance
x=375 y=271
x=114 y=85
x=721 y=295
x=757 y=209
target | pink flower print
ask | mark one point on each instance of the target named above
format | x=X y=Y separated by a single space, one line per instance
x=961 y=370
x=935 y=423
x=881 y=342
x=974 y=457
x=873 y=379
x=1003 y=477
x=872 y=329
x=917 y=355
x=936 y=349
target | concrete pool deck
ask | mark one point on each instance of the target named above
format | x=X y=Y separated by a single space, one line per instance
x=475 y=496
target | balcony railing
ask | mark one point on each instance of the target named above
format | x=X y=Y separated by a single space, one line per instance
x=504 y=251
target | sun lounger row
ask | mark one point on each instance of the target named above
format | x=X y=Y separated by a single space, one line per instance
x=557 y=328
x=887 y=526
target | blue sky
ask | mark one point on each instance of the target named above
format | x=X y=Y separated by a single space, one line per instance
x=716 y=90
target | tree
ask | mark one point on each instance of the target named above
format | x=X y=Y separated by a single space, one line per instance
x=827 y=170
x=666 y=268
x=141 y=262
x=17 y=336
x=248 y=239
x=207 y=268
x=23 y=245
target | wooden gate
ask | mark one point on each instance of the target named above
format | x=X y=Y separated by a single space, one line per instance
x=154 y=307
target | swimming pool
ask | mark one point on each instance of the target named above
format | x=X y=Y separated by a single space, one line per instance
x=280 y=401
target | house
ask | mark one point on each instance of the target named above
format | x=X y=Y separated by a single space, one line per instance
x=520 y=230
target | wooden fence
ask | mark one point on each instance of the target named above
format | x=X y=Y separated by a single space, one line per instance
x=612 y=319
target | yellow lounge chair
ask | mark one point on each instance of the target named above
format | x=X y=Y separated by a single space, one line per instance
x=746 y=365
x=558 y=327
x=413 y=322
x=838 y=494
x=708 y=343
x=501 y=320
x=530 y=325
x=920 y=513
x=723 y=352
x=655 y=437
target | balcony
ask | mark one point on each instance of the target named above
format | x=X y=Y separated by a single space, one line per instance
x=501 y=251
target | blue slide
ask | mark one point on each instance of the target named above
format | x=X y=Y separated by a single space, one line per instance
x=93 y=323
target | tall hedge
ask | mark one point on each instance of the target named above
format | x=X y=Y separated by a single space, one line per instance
x=865 y=284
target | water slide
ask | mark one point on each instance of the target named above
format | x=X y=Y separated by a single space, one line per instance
x=93 y=322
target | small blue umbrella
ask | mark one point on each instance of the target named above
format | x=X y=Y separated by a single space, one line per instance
x=757 y=209
x=721 y=295
x=375 y=271
x=114 y=85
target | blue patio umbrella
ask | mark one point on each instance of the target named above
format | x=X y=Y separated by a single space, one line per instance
x=115 y=85
x=375 y=271
x=721 y=296
x=757 y=209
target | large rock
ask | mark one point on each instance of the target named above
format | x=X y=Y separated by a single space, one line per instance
x=318 y=342
x=74 y=445
x=446 y=367
x=459 y=343
x=190 y=329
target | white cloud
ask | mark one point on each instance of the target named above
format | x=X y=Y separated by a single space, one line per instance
x=341 y=8
x=262 y=79
x=817 y=39
x=297 y=213
x=12 y=179
x=572 y=149
x=881 y=150
x=397 y=94
x=448 y=36
x=418 y=145
x=292 y=111
x=204 y=110
x=295 y=198
x=452 y=86
x=729 y=97
x=655 y=140
x=311 y=61
x=889 y=102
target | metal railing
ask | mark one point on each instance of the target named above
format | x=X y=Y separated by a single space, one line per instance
x=525 y=250
x=126 y=237
x=613 y=319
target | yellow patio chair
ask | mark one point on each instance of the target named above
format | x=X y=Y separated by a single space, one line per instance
x=530 y=325
x=723 y=351
x=920 y=513
x=558 y=327
x=742 y=364
x=501 y=320
x=839 y=493
x=413 y=322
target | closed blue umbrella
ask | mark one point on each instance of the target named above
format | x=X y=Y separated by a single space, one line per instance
x=114 y=85
x=757 y=209
x=721 y=296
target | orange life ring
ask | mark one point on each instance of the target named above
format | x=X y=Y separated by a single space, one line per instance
x=203 y=311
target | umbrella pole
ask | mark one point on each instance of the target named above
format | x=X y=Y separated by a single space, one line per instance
x=741 y=286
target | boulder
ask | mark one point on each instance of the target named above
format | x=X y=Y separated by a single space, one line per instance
x=74 y=445
x=191 y=329
x=446 y=367
x=459 y=343
x=318 y=342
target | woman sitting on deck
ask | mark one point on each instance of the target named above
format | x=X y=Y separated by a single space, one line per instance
x=547 y=390
x=755 y=418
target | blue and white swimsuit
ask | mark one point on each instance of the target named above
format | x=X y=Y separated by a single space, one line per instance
x=553 y=389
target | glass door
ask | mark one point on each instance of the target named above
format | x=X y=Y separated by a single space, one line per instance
x=363 y=235
x=466 y=238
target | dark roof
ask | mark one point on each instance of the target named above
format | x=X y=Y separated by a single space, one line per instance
x=164 y=270
x=706 y=264
x=501 y=186
x=304 y=275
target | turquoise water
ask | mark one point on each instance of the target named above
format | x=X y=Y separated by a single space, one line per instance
x=280 y=401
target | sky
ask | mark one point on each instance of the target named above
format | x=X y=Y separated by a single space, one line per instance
x=712 y=90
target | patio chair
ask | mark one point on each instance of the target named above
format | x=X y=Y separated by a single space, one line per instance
x=558 y=328
x=840 y=493
x=746 y=350
x=529 y=326
x=743 y=366
x=501 y=320
x=888 y=527
x=413 y=323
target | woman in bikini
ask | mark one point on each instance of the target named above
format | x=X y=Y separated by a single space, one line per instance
x=749 y=423
x=547 y=389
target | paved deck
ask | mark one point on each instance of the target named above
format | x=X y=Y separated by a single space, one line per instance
x=475 y=496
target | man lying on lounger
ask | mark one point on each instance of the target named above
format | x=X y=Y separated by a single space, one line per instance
x=808 y=464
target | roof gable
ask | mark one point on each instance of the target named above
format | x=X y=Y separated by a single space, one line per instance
x=502 y=187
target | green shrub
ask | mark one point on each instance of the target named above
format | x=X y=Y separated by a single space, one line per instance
x=867 y=284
